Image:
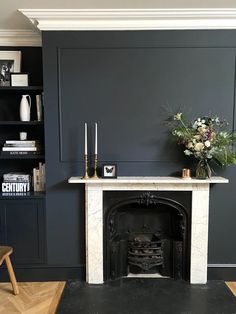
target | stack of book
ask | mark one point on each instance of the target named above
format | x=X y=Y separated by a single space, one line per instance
x=16 y=147
x=15 y=182
x=39 y=178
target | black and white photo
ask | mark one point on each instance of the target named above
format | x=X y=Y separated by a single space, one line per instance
x=10 y=61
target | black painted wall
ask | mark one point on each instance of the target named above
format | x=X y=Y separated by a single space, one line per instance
x=125 y=81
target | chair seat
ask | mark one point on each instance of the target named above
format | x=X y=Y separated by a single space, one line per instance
x=4 y=251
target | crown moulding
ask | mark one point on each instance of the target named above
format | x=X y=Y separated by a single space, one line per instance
x=20 y=37
x=131 y=19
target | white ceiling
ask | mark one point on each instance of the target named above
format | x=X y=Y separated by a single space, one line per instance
x=10 y=18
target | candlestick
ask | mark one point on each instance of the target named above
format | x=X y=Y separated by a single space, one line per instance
x=95 y=175
x=86 y=176
x=85 y=139
x=96 y=139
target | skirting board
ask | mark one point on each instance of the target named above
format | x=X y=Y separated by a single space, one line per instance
x=221 y=272
x=65 y=273
x=44 y=273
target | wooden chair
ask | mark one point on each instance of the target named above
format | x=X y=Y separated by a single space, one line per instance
x=5 y=252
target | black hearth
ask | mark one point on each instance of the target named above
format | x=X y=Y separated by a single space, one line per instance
x=146 y=234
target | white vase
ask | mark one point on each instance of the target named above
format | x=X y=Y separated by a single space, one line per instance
x=25 y=107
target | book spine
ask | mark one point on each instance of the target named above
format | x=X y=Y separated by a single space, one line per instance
x=15 y=187
x=20 y=153
x=20 y=145
x=11 y=149
x=20 y=142
x=16 y=177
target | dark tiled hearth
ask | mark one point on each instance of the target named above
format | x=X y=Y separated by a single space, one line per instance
x=147 y=296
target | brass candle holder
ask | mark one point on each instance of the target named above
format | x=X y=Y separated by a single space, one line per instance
x=86 y=176
x=95 y=175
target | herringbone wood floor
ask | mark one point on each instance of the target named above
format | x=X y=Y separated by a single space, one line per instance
x=34 y=298
x=232 y=286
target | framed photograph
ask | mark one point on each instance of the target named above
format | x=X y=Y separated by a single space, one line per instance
x=109 y=171
x=19 y=79
x=10 y=61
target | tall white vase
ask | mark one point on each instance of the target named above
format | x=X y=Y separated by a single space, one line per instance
x=25 y=107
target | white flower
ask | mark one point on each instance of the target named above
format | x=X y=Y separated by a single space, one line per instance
x=198 y=147
x=190 y=145
x=178 y=116
x=207 y=143
x=187 y=152
x=203 y=121
x=199 y=119
x=199 y=123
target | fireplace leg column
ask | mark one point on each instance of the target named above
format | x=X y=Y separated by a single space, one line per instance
x=94 y=234
x=199 y=235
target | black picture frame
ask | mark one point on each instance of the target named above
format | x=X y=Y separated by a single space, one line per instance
x=19 y=79
x=109 y=171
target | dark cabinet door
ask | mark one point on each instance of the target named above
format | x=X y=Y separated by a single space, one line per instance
x=22 y=226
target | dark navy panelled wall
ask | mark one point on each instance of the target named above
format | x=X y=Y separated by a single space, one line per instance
x=127 y=82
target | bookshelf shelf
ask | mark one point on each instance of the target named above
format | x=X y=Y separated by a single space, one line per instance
x=21 y=88
x=23 y=123
x=40 y=157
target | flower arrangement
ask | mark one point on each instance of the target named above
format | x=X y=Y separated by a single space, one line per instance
x=205 y=139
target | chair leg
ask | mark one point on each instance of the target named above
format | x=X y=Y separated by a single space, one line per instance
x=12 y=275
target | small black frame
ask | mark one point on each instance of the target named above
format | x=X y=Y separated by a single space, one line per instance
x=109 y=171
x=19 y=79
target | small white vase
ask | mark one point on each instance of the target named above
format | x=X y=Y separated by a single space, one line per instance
x=25 y=107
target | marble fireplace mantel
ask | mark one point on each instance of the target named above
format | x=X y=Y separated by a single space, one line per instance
x=94 y=217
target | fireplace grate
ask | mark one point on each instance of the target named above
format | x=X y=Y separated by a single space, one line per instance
x=144 y=252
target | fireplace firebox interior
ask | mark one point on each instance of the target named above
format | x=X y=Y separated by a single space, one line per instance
x=147 y=234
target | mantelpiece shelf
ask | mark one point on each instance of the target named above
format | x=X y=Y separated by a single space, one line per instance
x=151 y=180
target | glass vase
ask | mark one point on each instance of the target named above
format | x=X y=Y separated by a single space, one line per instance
x=203 y=170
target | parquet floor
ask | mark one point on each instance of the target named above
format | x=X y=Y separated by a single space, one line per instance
x=232 y=286
x=34 y=298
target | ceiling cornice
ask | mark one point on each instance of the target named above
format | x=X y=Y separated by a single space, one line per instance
x=20 y=37
x=131 y=19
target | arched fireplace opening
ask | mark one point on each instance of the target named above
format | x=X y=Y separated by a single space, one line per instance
x=146 y=235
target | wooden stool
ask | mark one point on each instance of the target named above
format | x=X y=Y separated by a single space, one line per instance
x=5 y=252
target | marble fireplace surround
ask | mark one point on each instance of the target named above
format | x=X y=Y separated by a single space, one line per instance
x=94 y=189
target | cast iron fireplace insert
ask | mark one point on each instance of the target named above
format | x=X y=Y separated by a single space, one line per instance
x=147 y=234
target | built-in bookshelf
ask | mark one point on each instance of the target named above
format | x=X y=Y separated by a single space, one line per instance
x=10 y=128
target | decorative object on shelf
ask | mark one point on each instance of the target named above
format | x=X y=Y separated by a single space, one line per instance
x=109 y=171
x=10 y=61
x=25 y=108
x=39 y=108
x=23 y=136
x=19 y=79
x=206 y=139
x=95 y=175
x=186 y=174
x=39 y=178
x=86 y=176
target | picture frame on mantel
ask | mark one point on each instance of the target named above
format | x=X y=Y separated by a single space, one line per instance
x=10 y=61
x=109 y=171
